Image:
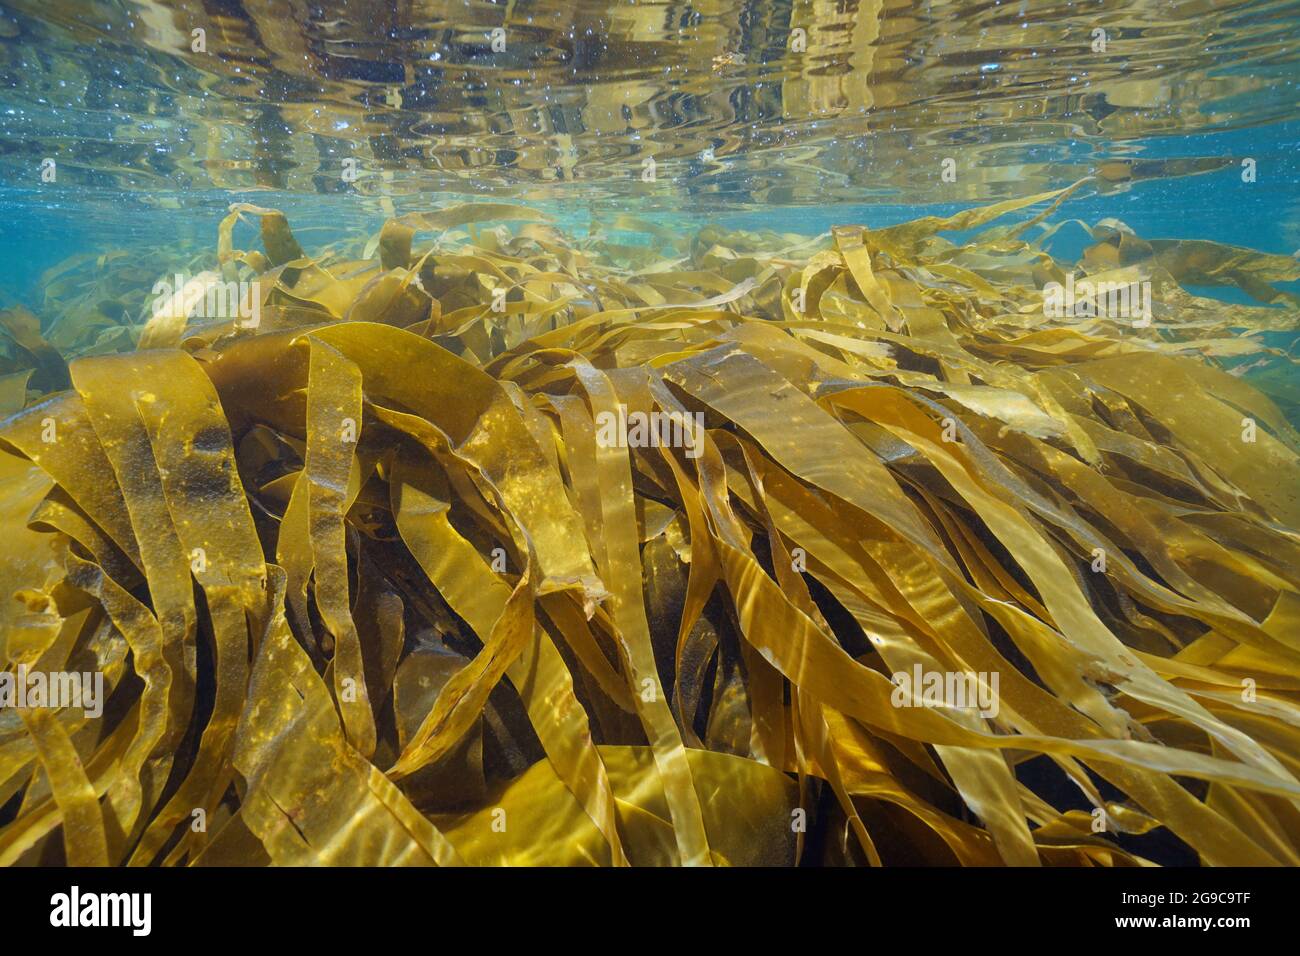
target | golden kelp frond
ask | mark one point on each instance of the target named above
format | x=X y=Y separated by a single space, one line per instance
x=469 y=545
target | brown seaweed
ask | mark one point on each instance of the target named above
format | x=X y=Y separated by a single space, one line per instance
x=368 y=584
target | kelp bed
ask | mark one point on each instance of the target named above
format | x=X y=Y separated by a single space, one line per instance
x=366 y=588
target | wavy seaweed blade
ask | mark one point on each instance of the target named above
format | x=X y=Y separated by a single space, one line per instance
x=641 y=435
x=417 y=570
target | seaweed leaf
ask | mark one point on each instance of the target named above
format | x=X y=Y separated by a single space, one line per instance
x=529 y=551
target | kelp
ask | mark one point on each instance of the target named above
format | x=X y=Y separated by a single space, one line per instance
x=369 y=584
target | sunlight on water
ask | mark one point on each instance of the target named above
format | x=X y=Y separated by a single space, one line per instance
x=809 y=432
x=803 y=102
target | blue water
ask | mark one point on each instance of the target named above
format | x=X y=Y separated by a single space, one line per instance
x=45 y=225
x=117 y=192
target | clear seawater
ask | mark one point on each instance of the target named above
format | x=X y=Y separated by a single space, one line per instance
x=784 y=115
x=793 y=116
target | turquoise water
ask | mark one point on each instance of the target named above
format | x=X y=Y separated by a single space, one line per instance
x=130 y=128
x=152 y=140
x=42 y=229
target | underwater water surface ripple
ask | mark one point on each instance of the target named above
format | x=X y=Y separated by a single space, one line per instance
x=812 y=432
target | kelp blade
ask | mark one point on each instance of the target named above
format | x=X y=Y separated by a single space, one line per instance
x=372 y=585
